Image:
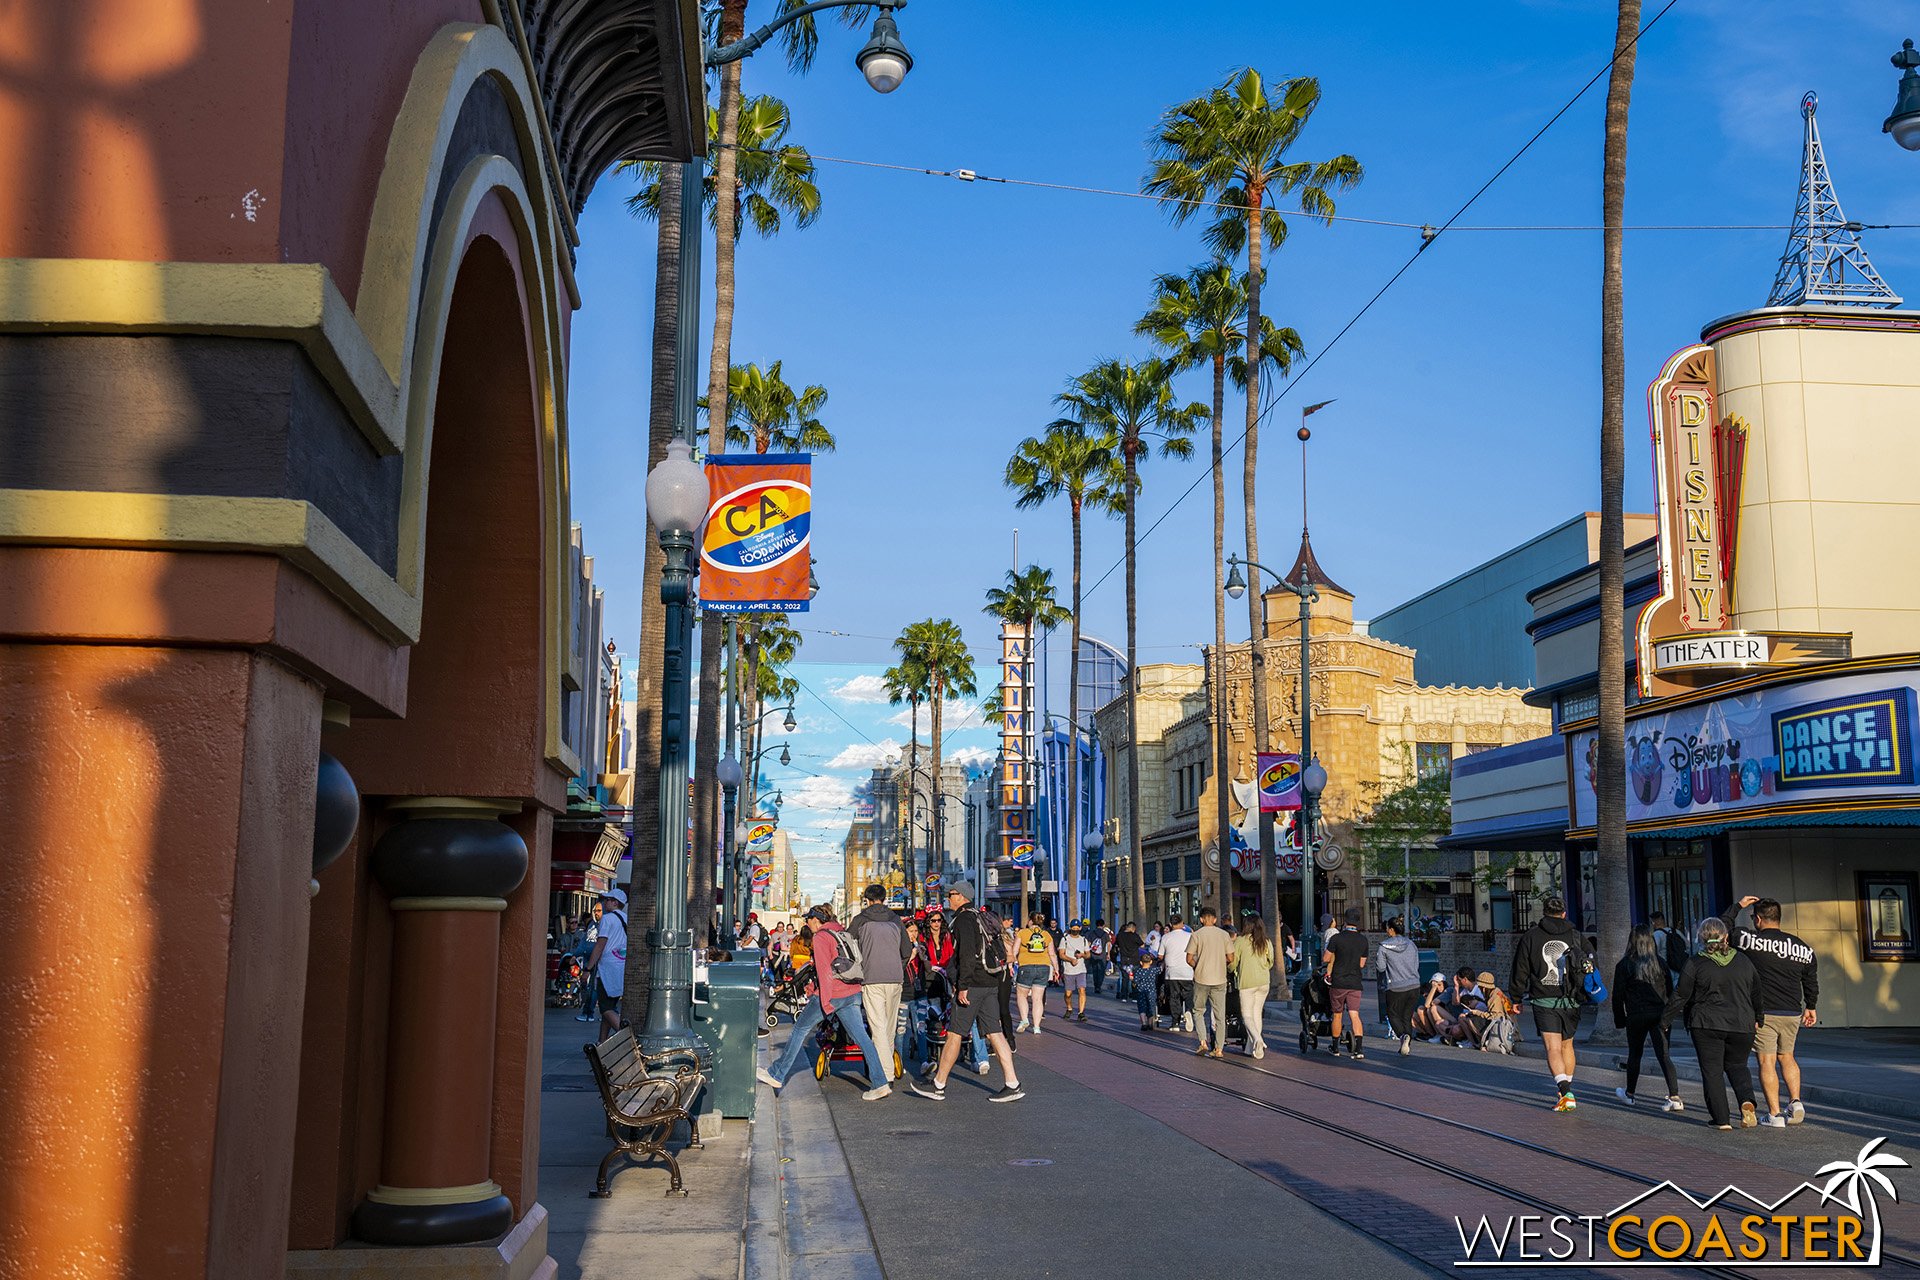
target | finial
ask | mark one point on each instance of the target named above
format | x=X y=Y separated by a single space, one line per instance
x=1810 y=103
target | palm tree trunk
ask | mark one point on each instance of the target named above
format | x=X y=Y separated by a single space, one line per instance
x=913 y=794
x=936 y=862
x=1256 y=604
x=1072 y=850
x=661 y=427
x=1133 y=682
x=1222 y=767
x=1613 y=876
x=706 y=795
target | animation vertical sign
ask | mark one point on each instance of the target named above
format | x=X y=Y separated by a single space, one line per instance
x=1016 y=741
x=755 y=551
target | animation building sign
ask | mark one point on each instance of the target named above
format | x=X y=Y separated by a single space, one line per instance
x=1798 y=746
x=1685 y=635
x=1016 y=741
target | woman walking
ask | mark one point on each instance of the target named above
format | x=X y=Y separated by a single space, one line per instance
x=1252 y=975
x=1719 y=996
x=1641 y=988
x=1034 y=953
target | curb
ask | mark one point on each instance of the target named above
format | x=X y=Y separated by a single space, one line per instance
x=1879 y=1104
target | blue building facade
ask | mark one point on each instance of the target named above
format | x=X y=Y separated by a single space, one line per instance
x=1103 y=677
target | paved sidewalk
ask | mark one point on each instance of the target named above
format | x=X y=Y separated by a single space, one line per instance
x=639 y=1232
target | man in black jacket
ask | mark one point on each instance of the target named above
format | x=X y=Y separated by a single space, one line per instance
x=1789 y=990
x=1548 y=974
x=981 y=958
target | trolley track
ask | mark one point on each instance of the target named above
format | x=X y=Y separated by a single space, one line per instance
x=1451 y=1171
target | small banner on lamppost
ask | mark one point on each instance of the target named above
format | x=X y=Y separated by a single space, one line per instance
x=760 y=837
x=762 y=878
x=1279 y=781
x=754 y=553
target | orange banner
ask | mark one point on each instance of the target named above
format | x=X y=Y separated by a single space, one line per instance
x=755 y=552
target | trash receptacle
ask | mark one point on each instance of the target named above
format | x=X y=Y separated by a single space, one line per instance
x=1429 y=965
x=729 y=1022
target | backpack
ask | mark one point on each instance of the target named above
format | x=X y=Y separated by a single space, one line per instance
x=848 y=964
x=993 y=958
x=1673 y=952
x=1500 y=1035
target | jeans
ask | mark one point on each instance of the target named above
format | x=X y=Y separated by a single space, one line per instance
x=1097 y=974
x=919 y=1047
x=1639 y=1034
x=1253 y=1012
x=1210 y=997
x=880 y=1002
x=589 y=991
x=1723 y=1059
x=1125 y=991
x=1179 y=998
x=800 y=1043
x=1400 y=1010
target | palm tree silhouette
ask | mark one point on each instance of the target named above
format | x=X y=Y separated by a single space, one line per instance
x=1854 y=1180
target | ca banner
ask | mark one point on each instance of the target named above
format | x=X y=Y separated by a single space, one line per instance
x=1279 y=781
x=760 y=836
x=754 y=554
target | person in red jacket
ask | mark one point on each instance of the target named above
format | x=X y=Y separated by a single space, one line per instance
x=834 y=995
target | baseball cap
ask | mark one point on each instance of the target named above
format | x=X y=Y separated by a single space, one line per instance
x=753 y=915
x=962 y=888
x=1076 y=924
x=617 y=894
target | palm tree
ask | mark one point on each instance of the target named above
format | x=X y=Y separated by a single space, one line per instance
x=1134 y=402
x=771 y=416
x=1080 y=463
x=938 y=650
x=1852 y=1180
x=1199 y=319
x=1227 y=152
x=908 y=682
x=1613 y=879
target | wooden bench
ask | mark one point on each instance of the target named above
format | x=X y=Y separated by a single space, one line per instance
x=645 y=1096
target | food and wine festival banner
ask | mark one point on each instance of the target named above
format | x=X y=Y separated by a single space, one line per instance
x=754 y=551
x=760 y=835
x=1838 y=738
x=1279 y=781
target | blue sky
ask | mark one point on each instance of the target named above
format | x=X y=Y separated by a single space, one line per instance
x=943 y=316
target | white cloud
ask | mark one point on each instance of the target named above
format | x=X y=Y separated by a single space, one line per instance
x=972 y=756
x=865 y=755
x=821 y=794
x=866 y=688
x=957 y=713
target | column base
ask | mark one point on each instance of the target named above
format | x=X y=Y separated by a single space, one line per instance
x=521 y=1254
x=408 y=1216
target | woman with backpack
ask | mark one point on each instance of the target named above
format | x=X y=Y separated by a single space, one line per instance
x=1641 y=988
x=1719 y=998
x=1037 y=964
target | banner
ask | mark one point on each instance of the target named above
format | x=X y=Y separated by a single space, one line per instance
x=754 y=552
x=1279 y=781
x=760 y=837
x=762 y=877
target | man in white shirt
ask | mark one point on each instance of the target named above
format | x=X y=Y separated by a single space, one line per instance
x=1177 y=981
x=609 y=959
x=1073 y=951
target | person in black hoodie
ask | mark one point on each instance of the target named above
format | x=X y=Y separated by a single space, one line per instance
x=1641 y=986
x=1547 y=975
x=1719 y=997
x=981 y=961
x=1126 y=954
x=1789 y=989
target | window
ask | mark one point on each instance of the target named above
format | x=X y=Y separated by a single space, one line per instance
x=1170 y=871
x=1579 y=706
x=1193 y=866
x=1433 y=759
x=1475 y=748
x=1153 y=873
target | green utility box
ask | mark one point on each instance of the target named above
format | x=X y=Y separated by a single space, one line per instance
x=1429 y=964
x=729 y=1021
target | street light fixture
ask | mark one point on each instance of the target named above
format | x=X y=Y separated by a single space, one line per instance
x=1904 y=123
x=884 y=60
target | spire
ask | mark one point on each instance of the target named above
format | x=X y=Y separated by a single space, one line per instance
x=1307 y=570
x=1824 y=259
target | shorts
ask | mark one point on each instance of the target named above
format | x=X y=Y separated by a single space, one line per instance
x=1777 y=1034
x=1033 y=975
x=1345 y=1000
x=608 y=999
x=981 y=1010
x=1074 y=981
x=1556 y=1022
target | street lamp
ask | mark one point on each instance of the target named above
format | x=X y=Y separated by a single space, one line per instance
x=1091 y=844
x=1313 y=778
x=1904 y=123
x=676 y=507
x=884 y=60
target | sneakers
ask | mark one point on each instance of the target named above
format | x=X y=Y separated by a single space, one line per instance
x=1024 y=1024
x=1011 y=1093
x=1748 y=1116
x=1624 y=1096
x=874 y=1095
x=1080 y=1018
x=1776 y=1121
x=1406 y=1046
x=981 y=1068
x=766 y=1078
x=1673 y=1104
x=1338 y=1050
x=1358 y=1052
x=583 y=1017
x=929 y=1088
x=1724 y=1128
x=1565 y=1102
x=1796 y=1113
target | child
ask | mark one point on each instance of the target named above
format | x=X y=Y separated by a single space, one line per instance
x=1145 y=975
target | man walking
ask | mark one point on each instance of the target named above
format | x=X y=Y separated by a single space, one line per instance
x=836 y=994
x=1075 y=951
x=1399 y=968
x=1669 y=944
x=1547 y=974
x=981 y=959
x=1207 y=951
x=607 y=963
x=1099 y=947
x=1176 y=974
x=1126 y=955
x=1345 y=961
x=1789 y=990
x=884 y=951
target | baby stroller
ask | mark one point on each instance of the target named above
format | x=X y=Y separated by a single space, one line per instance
x=1316 y=1012
x=832 y=1044
x=789 y=995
